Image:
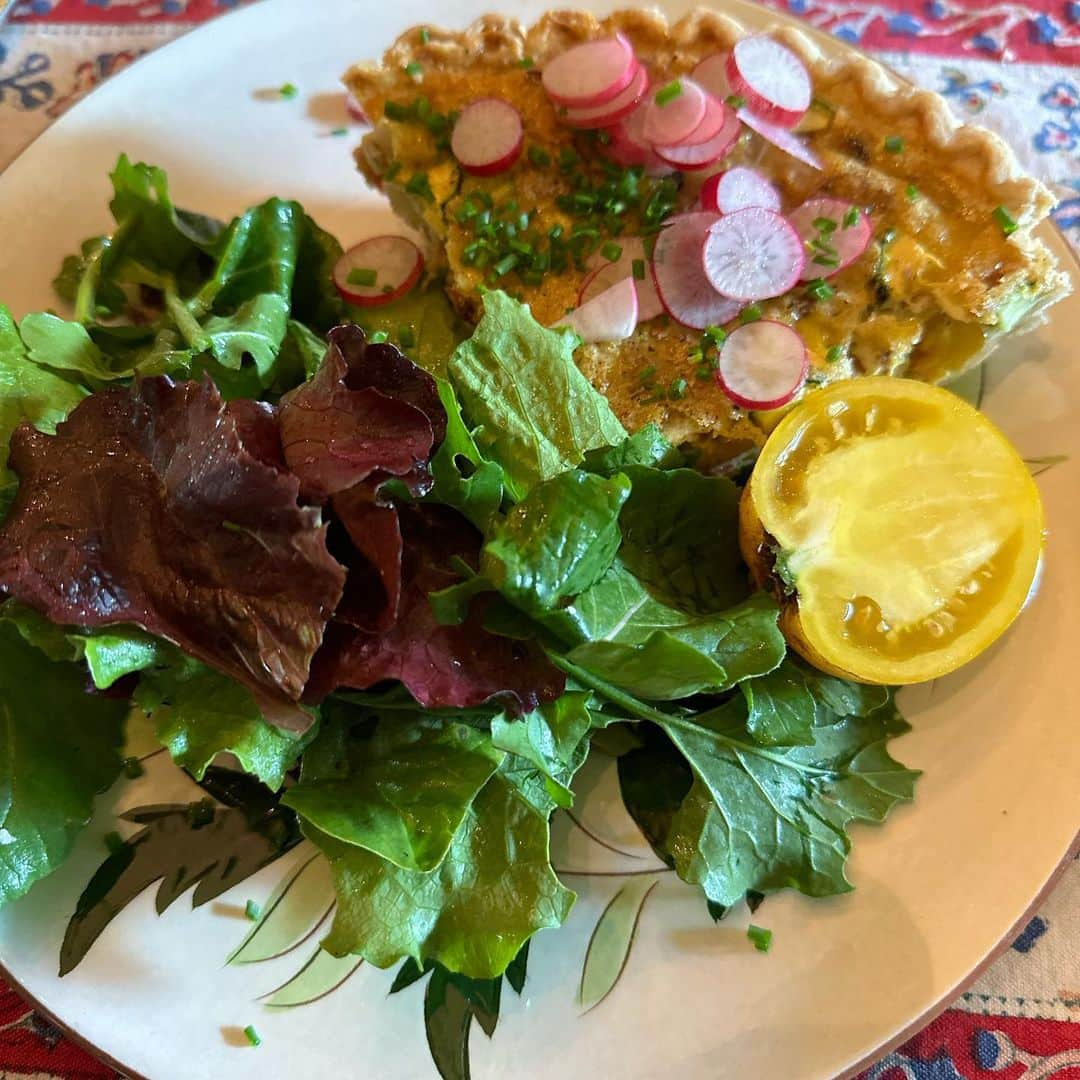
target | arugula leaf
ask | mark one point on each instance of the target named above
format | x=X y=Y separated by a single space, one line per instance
x=552 y=738
x=201 y=713
x=27 y=393
x=407 y=793
x=681 y=538
x=492 y=892
x=765 y=819
x=183 y=845
x=781 y=708
x=53 y=342
x=558 y=541
x=647 y=446
x=538 y=414
x=463 y=478
x=59 y=748
x=661 y=668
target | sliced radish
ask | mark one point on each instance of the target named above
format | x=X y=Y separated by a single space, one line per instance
x=830 y=247
x=395 y=261
x=672 y=119
x=591 y=73
x=763 y=365
x=702 y=155
x=605 y=274
x=772 y=79
x=711 y=75
x=681 y=283
x=488 y=137
x=355 y=109
x=623 y=105
x=752 y=254
x=629 y=146
x=736 y=189
x=609 y=316
x=781 y=138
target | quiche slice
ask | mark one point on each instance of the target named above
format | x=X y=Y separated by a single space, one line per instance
x=953 y=266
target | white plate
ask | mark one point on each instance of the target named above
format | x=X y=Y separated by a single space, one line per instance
x=938 y=887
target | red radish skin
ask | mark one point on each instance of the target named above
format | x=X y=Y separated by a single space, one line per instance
x=773 y=81
x=781 y=138
x=847 y=241
x=753 y=254
x=601 y=116
x=396 y=261
x=681 y=283
x=590 y=74
x=629 y=146
x=488 y=137
x=711 y=75
x=701 y=156
x=611 y=315
x=763 y=365
x=605 y=274
x=356 y=110
x=675 y=120
x=736 y=189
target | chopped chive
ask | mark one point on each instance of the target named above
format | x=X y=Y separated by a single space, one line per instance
x=523 y=220
x=647 y=373
x=414 y=69
x=506 y=264
x=387 y=289
x=555 y=232
x=418 y=184
x=894 y=144
x=392 y=170
x=677 y=390
x=666 y=94
x=252 y=1035
x=912 y=192
x=697 y=354
x=1005 y=220
x=851 y=218
x=339 y=131
x=132 y=768
x=703 y=373
x=567 y=159
x=824 y=225
x=362 y=275
x=394 y=110
x=820 y=289
x=716 y=334
x=252 y=911
x=288 y=91
x=761 y=938
x=611 y=251
x=735 y=101
x=406 y=337
x=425 y=37
x=380 y=337
x=539 y=156
x=638 y=268
x=526 y=62
x=830 y=261
x=114 y=842
x=836 y=352
x=750 y=314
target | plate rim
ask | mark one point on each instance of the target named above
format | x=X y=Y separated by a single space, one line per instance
x=916 y=1024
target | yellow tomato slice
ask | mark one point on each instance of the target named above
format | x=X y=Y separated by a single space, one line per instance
x=907 y=523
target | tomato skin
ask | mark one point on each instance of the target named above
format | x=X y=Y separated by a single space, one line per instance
x=831 y=612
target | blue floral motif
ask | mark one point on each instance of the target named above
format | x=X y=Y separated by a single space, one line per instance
x=21 y=87
x=847 y=33
x=1063 y=132
x=973 y=95
x=903 y=23
x=1067 y=214
x=1063 y=96
x=1072 y=11
x=941 y=1067
x=1044 y=30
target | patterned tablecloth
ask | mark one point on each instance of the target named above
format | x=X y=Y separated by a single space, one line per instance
x=1013 y=65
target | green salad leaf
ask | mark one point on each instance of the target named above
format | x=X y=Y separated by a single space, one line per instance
x=201 y=713
x=537 y=415
x=26 y=393
x=681 y=538
x=473 y=913
x=406 y=794
x=781 y=708
x=647 y=446
x=765 y=819
x=555 y=543
x=59 y=748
